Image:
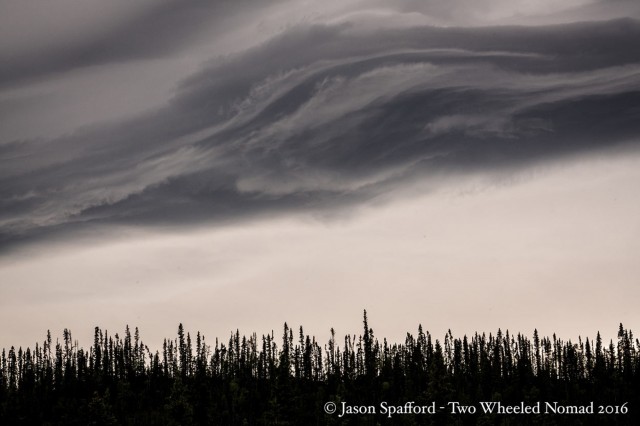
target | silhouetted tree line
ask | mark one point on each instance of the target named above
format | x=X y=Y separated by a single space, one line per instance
x=265 y=380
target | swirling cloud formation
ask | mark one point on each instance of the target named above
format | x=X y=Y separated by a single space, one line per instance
x=227 y=110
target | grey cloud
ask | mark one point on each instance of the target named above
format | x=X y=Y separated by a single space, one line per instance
x=158 y=29
x=597 y=10
x=325 y=116
x=492 y=12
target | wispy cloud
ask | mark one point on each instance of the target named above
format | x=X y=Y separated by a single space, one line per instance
x=332 y=111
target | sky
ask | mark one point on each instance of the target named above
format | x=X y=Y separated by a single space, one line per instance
x=465 y=165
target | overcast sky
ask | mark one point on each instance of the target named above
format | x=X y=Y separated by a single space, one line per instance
x=237 y=164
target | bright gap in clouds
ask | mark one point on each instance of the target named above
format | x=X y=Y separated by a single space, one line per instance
x=554 y=248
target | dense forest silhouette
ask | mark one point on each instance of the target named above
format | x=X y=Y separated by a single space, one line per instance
x=289 y=379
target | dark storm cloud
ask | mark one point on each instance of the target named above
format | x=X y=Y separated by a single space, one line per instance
x=324 y=116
